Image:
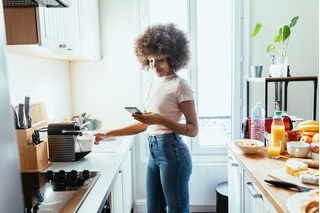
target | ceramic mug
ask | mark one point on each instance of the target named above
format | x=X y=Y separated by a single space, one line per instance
x=85 y=143
x=298 y=149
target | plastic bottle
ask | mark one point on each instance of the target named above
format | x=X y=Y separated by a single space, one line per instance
x=257 y=122
x=278 y=129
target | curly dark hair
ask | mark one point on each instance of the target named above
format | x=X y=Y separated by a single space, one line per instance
x=163 y=39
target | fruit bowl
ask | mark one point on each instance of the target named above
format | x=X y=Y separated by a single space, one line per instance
x=248 y=146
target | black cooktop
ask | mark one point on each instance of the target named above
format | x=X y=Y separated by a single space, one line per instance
x=56 y=191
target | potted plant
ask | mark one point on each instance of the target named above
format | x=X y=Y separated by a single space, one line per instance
x=282 y=38
x=282 y=41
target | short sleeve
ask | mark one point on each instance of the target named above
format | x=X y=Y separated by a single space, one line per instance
x=184 y=92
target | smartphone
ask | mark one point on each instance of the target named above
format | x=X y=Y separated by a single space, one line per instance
x=133 y=110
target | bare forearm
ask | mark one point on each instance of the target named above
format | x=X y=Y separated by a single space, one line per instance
x=188 y=129
x=129 y=130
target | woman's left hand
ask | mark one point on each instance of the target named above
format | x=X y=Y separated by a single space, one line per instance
x=148 y=118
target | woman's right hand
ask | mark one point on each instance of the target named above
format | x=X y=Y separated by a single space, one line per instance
x=100 y=137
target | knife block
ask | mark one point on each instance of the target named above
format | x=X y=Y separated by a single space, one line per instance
x=32 y=158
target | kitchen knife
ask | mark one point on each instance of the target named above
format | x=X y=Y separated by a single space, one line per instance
x=288 y=185
x=27 y=110
x=15 y=118
x=21 y=116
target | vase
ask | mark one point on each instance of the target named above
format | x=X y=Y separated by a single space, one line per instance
x=282 y=64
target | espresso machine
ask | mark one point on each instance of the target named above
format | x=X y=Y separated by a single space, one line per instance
x=62 y=141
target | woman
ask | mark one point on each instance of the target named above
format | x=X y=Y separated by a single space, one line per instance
x=165 y=50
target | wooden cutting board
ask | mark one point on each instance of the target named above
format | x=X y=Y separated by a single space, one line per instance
x=280 y=174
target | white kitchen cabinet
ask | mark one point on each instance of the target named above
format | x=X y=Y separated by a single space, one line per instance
x=63 y=33
x=244 y=196
x=235 y=186
x=255 y=201
x=59 y=28
x=127 y=184
x=73 y=30
x=121 y=193
x=89 y=29
x=116 y=195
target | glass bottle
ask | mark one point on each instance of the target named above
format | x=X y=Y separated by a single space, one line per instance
x=278 y=129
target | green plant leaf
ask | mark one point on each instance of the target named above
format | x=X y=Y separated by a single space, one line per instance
x=270 y=48
x=256 y=30
x=277 y=39
x=280 y=31
x=286 y=32
x=294 y=21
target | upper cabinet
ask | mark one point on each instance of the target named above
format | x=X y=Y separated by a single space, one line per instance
x=61 y=33
x=59 y=28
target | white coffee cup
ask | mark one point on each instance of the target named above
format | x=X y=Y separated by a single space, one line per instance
x=298 y=149
x=85 y=142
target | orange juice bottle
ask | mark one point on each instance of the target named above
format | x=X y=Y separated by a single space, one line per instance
x=278 y=130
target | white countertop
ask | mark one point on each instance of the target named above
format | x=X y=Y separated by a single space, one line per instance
x=107 y=157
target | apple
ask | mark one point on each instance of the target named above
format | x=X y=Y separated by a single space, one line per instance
x=306 y=138
x=315 y=138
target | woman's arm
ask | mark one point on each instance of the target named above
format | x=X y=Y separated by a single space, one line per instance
x=189 y=111
x=187 y=108
x=129 y=130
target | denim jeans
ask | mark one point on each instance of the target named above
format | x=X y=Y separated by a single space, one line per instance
x=168 y=174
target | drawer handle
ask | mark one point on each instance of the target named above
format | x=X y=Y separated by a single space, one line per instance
x=231 y=162
x=249 y=185
x=63 y=46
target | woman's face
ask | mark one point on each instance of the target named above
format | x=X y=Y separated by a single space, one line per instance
x=159 y=65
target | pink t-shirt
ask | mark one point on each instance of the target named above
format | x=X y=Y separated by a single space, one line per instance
x=165 y=95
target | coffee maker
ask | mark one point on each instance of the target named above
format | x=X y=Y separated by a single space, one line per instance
x=62 y=141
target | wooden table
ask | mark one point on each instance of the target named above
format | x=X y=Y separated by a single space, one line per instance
x=258 y=165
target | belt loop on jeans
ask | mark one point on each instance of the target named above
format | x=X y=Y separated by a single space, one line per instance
x=175 y=135
x=150 y=137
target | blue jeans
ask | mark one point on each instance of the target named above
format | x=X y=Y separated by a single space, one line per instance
x=168 y=174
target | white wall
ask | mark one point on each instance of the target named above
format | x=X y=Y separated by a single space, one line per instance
x=303 y=51
x=103 y=88
x=43 y=80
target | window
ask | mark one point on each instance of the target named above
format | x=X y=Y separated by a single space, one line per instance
x=209 y=26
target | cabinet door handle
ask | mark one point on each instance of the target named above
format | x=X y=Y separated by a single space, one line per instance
x=234 y=164
x=249 y=185
x=231 y=162
x=63 y=46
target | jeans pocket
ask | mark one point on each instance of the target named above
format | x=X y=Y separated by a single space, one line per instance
x=186 y=153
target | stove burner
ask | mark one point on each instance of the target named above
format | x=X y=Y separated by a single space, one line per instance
x=56 y=191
